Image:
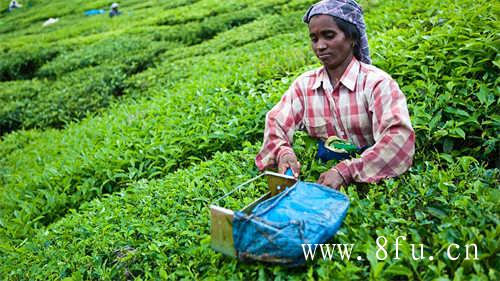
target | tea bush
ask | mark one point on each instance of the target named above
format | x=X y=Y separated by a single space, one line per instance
x=138 y=141
x=204 y=9
x=70 y=98
x=108 y=51
x=264 y=27
x=14 y=96
x=129 y=53
x=22 y=64
x=195 y=32
x=159 y=229
x=445 y=58
x=100 y=74
x=118 y=194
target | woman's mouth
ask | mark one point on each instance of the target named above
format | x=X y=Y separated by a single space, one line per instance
x=324 y=56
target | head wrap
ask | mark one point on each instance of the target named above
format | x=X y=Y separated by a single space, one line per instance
x=347 y=10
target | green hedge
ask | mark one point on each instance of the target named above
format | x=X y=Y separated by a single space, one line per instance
x=196 y=118
x=195 y=32
x=19 y=64
x=160 y=229
x=201 y=10
x=124 y=50
x=143 y=220
x=261 y=28
x=14 y=97
x=83 y=82
x=446 y=60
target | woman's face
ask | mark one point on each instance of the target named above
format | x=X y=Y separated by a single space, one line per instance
x=329 y=42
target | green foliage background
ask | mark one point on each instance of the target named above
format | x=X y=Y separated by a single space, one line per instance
x=117 y=133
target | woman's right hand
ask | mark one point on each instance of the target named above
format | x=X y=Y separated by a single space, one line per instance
x=289 y=160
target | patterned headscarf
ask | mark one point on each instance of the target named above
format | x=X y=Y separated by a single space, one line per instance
x=347 y=10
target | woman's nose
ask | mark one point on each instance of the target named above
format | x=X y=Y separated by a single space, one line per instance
x=321 y=45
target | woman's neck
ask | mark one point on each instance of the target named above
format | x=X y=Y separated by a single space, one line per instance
x=335 y=73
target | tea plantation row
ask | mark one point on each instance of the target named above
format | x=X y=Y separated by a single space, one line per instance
x=57 y=170
x=101 y=157
x=159 y=229
x=194 y=101
x=104 y=66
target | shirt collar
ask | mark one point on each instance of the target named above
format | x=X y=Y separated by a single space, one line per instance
x=348 y=79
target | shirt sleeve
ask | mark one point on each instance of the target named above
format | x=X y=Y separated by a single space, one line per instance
x=394 y=147
x=281 y=123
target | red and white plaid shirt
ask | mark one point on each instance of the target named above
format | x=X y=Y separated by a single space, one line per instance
x=366 y=107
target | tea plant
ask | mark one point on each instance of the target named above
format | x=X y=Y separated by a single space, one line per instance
x=160 y=228
x=161 y=111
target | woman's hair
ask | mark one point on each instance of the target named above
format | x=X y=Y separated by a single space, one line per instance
x=352 y=33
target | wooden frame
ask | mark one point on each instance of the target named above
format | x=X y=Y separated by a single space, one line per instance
x=222 y=219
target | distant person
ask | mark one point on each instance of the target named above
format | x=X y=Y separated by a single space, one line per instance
x=14 y=5
x=114 y=10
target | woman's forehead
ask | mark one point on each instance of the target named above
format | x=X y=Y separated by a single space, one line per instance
x=322 y=22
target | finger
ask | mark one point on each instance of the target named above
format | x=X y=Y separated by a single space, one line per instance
x=330 y=181
x=282 y=167
x=333 y=182
x=295 y=167
x=298 y=169
x=320 y=179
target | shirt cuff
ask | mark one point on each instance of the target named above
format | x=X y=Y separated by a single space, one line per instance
x=344 y=172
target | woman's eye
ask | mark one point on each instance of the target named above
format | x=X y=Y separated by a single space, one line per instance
x=330 y=36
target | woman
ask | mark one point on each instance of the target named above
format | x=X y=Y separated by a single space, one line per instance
x=348 y=98
x=114 y=10
x=14 y=5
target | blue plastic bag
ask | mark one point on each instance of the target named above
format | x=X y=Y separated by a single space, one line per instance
x=306 y=213
x=94 y=12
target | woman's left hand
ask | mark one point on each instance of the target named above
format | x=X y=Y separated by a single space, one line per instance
x=331 y=178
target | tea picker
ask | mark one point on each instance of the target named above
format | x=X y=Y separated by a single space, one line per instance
x=14 y=5
x=293 y=212
x=114 y=10
x=347 y=97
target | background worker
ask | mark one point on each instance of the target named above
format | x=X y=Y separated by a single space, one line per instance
x=348 y=98
x=14 y=5
x=114 y=10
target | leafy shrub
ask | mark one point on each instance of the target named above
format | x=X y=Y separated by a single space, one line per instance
x=160 y=228
x=195 y=32
x=54 y=104
x=444 y=58
x=261 y=28
x=107 y=51
x=199 y=11
x=74 y=95
x=22 y=64
x=119 y=195
x=14 y=97
x=145 y=140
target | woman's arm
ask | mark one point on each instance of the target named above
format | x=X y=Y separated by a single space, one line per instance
x=394 y=147
x=281 y=123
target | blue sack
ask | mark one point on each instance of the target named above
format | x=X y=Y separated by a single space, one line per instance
x=93 y=12
x=274 y=231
